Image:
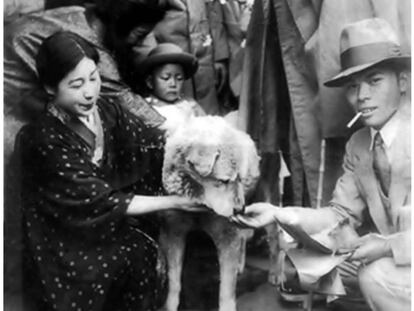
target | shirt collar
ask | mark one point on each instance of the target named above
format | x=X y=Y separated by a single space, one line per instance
x=388 y=132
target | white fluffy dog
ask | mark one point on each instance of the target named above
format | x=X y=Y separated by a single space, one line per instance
x=208 y=159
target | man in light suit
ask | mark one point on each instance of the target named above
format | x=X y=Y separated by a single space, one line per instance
x=377 y=167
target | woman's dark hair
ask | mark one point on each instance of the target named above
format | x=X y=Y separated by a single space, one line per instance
x=120 y=17
x=59 y=54
x=124 y=15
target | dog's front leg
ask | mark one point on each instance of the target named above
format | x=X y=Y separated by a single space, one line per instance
x=228 y=249
x=272 y=232
x=229 y=256
x=173 y=244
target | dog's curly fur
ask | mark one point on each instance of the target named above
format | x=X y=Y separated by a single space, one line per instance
x=208 y=159
x=208 y=147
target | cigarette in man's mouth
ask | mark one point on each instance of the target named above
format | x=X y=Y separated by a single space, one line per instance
x=354 y=119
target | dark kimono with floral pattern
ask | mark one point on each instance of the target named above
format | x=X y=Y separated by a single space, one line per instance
x=81 y=250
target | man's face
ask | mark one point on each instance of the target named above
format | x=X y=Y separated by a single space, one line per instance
x=376 y=93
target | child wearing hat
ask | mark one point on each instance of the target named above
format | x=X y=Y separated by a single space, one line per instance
x=165 y=69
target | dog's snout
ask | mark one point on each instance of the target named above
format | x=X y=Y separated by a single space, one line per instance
x=239 y=197
x=239 y=211
x=239 y=204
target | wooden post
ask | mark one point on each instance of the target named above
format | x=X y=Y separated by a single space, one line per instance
x=319 y=194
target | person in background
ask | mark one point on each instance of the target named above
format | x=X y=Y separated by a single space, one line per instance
x=376 y=182
x=87 y=165
x=198 y=28
x=236 y=18
x=166 y=68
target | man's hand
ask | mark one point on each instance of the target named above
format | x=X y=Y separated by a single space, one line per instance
x=262 y=214
x=256 y=215
x=371 y=247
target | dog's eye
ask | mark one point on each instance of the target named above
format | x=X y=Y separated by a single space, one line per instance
x=223 y=181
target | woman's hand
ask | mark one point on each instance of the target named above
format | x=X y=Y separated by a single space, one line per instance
x=142 y=204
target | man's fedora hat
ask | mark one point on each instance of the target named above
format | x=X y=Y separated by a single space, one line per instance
x=165 y=53
x=364 y=44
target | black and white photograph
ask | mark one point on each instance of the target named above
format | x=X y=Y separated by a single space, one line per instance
x=207 y=155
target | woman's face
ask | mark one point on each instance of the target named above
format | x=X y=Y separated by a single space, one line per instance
x=78 y=91
x=166 y=82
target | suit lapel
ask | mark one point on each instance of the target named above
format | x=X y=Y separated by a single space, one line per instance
x=400 y=177
x=401 y=168
x=366 y=175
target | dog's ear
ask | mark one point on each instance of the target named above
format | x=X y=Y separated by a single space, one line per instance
x=203 y=160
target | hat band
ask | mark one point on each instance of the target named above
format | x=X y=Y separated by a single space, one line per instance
x=369 y=53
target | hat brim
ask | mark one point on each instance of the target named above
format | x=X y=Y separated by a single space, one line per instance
x=188 y=61
x=343 y=77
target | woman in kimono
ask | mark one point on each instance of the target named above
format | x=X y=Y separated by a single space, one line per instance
x=87 y=165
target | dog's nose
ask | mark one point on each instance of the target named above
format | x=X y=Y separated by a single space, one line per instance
x=239 y=211
x=238 y=205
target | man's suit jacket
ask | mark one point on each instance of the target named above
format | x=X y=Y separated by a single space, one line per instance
x=358 y=188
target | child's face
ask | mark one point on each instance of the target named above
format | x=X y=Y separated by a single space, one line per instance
x=166 y=82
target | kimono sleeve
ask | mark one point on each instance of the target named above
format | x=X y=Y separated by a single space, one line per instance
x=134 y=103
x=140 y=152
x=63 y=183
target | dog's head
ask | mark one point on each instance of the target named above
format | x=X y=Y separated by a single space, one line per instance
x=210 y=160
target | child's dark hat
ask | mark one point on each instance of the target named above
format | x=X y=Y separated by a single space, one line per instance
x=168 y=53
